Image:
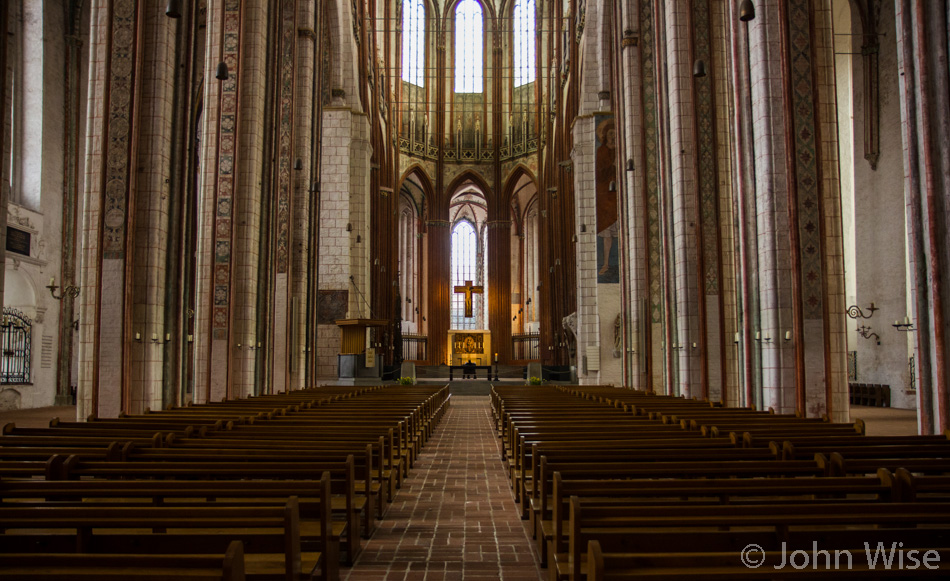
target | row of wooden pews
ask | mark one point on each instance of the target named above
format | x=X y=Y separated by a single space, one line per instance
x=269 y=487
x=619 y=484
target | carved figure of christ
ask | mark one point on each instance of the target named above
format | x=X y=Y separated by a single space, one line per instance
x=468 y=289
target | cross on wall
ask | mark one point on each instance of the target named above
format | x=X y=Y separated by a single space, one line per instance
x=469 y=289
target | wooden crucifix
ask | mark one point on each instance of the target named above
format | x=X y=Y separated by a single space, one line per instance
x=468 y=289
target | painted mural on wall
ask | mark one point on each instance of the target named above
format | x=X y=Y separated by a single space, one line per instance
x=608 y=218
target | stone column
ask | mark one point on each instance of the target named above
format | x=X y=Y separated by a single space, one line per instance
x=682 y=148
x=648 y=172
x=771 y=209
x=635 y=294
x=922 y=33
x=106 y=336
x=284 y=348
x=303 y=150
x=150 y=239
x=344 y=222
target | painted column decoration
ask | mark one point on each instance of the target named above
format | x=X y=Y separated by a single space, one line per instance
x=651 y=172
x=284 y=304
x=805 y=182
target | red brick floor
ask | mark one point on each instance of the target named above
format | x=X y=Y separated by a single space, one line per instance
x=454 y=517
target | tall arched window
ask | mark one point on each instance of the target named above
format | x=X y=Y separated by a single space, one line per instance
x=465 y=268
x=413 y=41
x=469 y=47
x=523 y=42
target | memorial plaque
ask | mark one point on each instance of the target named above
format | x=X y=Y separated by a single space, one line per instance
x=18 y=241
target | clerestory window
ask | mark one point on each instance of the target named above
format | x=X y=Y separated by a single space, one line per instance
x=523 y=42
x=413 y=42
x=469 y=47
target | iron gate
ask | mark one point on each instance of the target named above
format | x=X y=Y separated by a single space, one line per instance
x=16 y=339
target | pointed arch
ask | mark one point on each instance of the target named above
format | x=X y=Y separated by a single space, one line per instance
x=514 y=177
x=419 y=170
x=468 y=176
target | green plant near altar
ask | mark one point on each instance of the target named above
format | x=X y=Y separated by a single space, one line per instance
x=535 y=380
x=406 y=381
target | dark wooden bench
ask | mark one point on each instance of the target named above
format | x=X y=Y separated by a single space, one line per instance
x=663 y=528
x=657 y=470
x=120 y=567
x=342 y=479
x=368 y=490
x=319 y=531
x=270 y=534
x=552 y=531
x=546 y=454
x=701 y=566
x=528 y=463
x=869 y=394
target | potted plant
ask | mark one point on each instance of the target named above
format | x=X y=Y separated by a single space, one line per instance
x=406 y=381
x=535 y=380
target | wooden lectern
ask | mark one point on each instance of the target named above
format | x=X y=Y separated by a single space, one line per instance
x=351 y=362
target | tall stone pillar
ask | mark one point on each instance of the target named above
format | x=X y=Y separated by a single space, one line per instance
x=286 y=310
x=499 y=287
x=635 y=293
x=922 y=33
x=439 y=242
x=344 y=225
x=303 y=178
x=683 y=196
x=149 y=212
x=771 y=212
x=106 y=336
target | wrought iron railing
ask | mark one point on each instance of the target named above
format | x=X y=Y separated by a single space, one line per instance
x=525 y=347
x=16 y=340
x=414 y=347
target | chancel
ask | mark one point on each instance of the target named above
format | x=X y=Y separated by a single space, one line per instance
x=737 y=202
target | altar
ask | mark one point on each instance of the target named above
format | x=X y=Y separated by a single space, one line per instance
x=473 y=345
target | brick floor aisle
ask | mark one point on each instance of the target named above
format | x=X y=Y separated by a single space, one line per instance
x=454 y=517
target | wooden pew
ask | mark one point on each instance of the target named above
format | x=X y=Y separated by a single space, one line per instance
x=544 y=453
x=701 y=566
x=922 y=488
x=314 y=500
x=271 y=535
x=525 y=469
x=342 y=478
x=669 y=528
x=837 y=465
x=882 y=488
x=121 y=567
x=369 y=491
x=790 y=451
